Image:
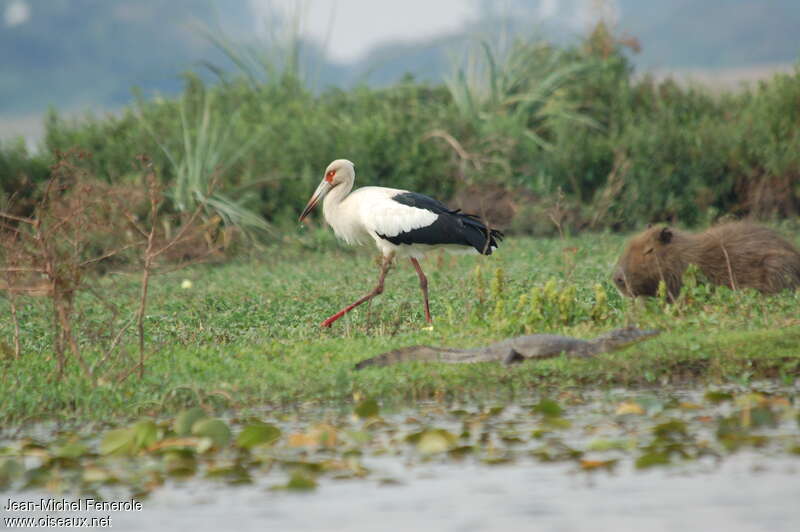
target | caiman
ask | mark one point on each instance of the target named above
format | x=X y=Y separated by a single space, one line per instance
x=514 y=350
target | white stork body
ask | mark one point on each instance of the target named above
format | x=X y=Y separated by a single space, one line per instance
x=401 y=223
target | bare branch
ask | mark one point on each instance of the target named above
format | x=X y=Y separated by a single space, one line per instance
x=184 y=228
x=21 y=219
x=109 y=254
x=134 y=223
x=113 y=346
x=21 y=269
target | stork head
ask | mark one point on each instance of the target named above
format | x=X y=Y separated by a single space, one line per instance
x=340 y=171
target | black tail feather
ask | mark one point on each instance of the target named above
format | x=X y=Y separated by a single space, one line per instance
x=486 y=238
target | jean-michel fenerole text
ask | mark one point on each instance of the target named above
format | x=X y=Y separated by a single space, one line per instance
x=77 y=505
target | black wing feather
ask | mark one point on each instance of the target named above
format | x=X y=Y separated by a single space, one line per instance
x=451 y=227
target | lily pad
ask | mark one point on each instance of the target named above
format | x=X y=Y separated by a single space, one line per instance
x=145 y=434
x=10 y=469
x=652 y=459
x=672 y=429
x=71 y=450
x=548 y=408
x=258 y=434
x=214 y=429
x=96 y=474
x=322 y=435
x=716 y=396
x=434 y=441
x=629 y=408
x=367 y=408
x=301 y=482
x=592 y=465
x=180 y=463
x=186 y=420
x=118 y=442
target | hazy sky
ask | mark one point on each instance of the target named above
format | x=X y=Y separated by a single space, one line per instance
x=352 y=27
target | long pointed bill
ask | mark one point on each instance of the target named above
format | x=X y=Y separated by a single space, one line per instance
x=323 y=188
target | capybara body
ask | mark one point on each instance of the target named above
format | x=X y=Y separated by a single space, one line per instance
x=737 y=255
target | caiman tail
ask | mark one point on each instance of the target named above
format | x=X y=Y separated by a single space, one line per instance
x=423 y=353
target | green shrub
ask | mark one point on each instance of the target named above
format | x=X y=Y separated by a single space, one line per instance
x=577 y=138
x=20 y=173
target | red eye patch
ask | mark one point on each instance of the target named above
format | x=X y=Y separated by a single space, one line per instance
x=329 y=176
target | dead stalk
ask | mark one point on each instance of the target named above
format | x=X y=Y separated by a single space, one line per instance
x=149 y=255
x=556 y=213
x=464 y=157
x=614 y=185
x=730 y=269
x=12 y=300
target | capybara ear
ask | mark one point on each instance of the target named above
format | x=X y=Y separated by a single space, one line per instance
x=649 y=225
x=665 y=236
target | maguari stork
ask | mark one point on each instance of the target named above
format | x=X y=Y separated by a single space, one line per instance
x=399 y=222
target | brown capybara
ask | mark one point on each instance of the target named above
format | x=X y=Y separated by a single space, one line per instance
x=737 y=255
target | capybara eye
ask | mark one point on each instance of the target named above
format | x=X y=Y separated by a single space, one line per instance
x=648 y=251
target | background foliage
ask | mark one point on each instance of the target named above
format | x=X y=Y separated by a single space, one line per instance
x=569 y=134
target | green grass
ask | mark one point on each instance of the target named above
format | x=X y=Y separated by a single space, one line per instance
x=247 y=333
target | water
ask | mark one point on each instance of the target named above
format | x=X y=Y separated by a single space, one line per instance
x=752 y=489
x=742 y=495
x=746 y=492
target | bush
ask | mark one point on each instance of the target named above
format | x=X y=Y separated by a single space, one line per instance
x=20 y=173
x=566 y=130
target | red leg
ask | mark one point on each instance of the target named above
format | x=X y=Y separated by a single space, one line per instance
x=387 y=261
x=423 y=284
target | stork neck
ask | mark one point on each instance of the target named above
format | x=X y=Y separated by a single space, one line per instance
x=335 y=197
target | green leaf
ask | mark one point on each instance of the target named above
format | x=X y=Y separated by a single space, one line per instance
x=652 y=459
x=9 y=470
x=434 y=441
x=96 y=474
x=118 y=442
x=495 y=410
x=548 y=408
x=367 y=408
x=71 y=450
x=714 y=396
x=671 y=430
x=232 y=473
x=186 y=420
x=359 y=437
x=301 y=482
x=214 y=429
x=763 y=416
x=145 y=434
x=180 y=464
x=257 y=434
